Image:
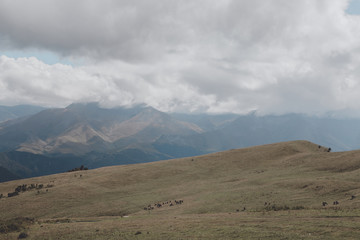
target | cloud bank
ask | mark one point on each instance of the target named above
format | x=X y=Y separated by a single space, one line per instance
x=273 y=56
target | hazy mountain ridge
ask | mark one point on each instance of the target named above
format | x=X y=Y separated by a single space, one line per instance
x=95 y=136
x=13 y=112
x=60 y=139
x=87 y=126
x=6 y=175
x=250 y=130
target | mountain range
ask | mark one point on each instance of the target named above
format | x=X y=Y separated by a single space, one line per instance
x=56 y=140
x=12 y=112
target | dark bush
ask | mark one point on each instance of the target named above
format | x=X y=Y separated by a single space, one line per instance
x=277 y=208
x=9 y=227
x=22 y=235
x=15 y=225
x=21 y=188
x=13 y=194
x=81 y=168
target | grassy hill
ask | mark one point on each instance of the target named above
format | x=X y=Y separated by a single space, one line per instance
x=272 y=191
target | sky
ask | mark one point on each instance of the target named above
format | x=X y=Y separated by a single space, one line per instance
x=240 y=56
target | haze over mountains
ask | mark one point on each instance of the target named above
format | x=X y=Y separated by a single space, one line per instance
x=56 y=140
x=8 y=113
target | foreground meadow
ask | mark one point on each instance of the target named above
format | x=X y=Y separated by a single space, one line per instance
x=292 y=190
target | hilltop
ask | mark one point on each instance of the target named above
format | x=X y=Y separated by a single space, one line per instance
x=273 y=191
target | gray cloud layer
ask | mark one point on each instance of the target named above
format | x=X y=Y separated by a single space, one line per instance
x=274 y=56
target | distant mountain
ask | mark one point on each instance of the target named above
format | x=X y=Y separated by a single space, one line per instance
x=56 y=140
x=82 y=128
x=26 y=164
x=250 y=130
x=16 y=164
x=6 y=175
x=8 y=113
x=207 y=122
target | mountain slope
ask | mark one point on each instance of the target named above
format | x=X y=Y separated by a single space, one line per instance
x=6 y=175
x=250 y=130
x=82 y=128
x=56 y=140
x=278 y=189
x=8 y=113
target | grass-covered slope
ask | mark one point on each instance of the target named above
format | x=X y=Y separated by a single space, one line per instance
x=272 y=191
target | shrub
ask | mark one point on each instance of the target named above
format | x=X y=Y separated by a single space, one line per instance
x=22 y=235
x=81 y=168
x=13 y=194
x=8 y=227
x=15 y=225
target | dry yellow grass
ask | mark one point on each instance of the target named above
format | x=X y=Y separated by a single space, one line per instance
x=293 y=178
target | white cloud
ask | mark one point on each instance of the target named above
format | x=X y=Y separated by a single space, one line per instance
x=275 y=56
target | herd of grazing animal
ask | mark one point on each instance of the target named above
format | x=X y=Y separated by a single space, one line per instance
x=25 y=187
x=334 y=203
x=170 y=203
x=162 y=204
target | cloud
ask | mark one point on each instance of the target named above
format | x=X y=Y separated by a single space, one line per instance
x=112 y=84
x=225 y=56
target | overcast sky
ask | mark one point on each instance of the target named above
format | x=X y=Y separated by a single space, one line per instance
x=272 y=56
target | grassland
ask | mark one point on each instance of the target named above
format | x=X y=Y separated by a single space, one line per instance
x=272 y=191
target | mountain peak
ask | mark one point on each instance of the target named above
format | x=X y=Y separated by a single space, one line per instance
x=76 y=106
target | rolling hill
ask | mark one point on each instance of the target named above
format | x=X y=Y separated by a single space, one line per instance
x=275 y=191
